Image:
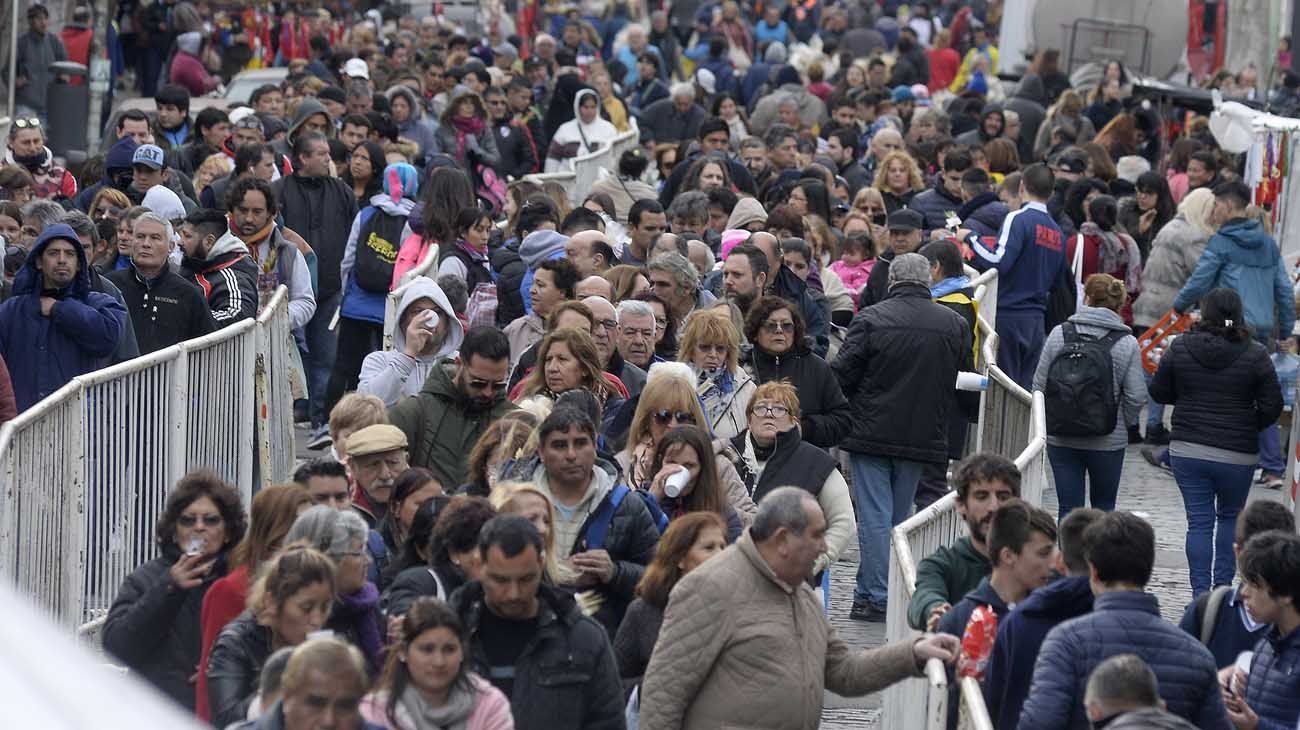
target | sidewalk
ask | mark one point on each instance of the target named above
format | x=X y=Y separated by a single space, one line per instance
x=1144 y=489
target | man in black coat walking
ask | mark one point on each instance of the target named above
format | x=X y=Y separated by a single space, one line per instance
x=898 y=368
x=165 y=308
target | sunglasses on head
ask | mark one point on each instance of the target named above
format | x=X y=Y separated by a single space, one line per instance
x=27 y=123
x=665 y=416
x=192 y=520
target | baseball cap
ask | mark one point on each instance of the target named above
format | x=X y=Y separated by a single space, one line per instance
x=332 y=93
x=1072 y=163
x=357 y=68
x=905 y=219
x=148 y=154
x=375 y=439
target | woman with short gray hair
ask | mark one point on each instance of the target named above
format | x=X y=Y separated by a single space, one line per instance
x=341 y=536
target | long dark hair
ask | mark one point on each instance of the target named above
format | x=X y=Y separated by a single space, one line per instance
x=819 y=199
x=1222 y=315
x=707 y=494
x=425 y=614
x=1166 y=208
x=418 y=545
x=407 y=483
x=375 y=184
x=448 y=192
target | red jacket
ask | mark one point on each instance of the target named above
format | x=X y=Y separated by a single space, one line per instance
x=222 y=604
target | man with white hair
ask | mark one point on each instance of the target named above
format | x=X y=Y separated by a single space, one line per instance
x=165 y=308
x=898 y=368
x=604 y=331
x=636 y=333
x=676 y=118
x=637 y=43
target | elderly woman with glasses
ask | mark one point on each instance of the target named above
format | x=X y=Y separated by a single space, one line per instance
x=342 y=536
x=773 y=454
x=711 y=346
x=779 y=350
x=153 y=625
x=669 y=401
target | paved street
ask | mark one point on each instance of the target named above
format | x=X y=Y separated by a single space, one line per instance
x=1144 y=489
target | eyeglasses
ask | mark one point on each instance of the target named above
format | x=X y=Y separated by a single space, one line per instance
x=665 y=416
x=192 y=520
x=478 y=384
x=777 y=327
x=661 y=322
x=27 y=123
x=608 y=324
x=770 y=411
x=354 y=554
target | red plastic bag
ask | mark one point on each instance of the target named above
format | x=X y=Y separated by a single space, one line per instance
x=977 y=643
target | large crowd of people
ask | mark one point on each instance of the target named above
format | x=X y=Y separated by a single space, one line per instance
x=602 y=469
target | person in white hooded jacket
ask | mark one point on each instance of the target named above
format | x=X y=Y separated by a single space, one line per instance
x=427 y=330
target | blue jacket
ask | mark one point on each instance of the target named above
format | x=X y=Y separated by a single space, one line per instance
x=955 y=620
x=1232 y=635
x=1273 y=689
x=44 y=353
x=935 y=204
x=1122 y=623
x=983 y=214
x=1028 y=255
x=1020 y=634
x=1242 y=257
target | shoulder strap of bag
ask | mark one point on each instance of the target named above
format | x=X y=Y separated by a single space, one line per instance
x=1212 y=606
x=1076 y=266
x=598 y=523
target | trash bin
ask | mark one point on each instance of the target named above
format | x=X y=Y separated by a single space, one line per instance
x=67 y=107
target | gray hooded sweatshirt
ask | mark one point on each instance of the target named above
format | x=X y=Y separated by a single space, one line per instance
x=393 y=375
x=1126 y=366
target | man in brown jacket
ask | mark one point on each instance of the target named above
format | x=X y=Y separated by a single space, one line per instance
x=745 y=642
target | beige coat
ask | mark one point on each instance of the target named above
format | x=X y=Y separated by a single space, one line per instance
x=739 y=648
x=522 y=334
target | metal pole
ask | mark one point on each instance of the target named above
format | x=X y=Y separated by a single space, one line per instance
x=99 y=71
x=13 y=60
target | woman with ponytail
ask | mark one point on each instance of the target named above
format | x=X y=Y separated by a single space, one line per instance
x=1226 y=391
x=1095 y=460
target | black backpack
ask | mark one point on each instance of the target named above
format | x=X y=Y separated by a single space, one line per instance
x=378 y=240
x=1080 y=397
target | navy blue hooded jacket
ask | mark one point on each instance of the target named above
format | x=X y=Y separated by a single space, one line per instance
x=44 y=353
x=983 y=214
x=935 y=204
x=955 y=620
x=119 y=157
x=1273 y=689
x=1122 y=622
x=1029 y=255
x=1020 y=634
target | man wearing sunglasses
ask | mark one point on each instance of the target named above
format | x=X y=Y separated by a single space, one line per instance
x=459 y=400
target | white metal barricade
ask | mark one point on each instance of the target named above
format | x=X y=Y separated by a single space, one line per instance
x=587 y=170
x=85 y=472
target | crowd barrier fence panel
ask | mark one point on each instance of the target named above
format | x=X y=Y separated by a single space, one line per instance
x=84 y=474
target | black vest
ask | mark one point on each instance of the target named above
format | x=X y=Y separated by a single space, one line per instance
x=794 y=463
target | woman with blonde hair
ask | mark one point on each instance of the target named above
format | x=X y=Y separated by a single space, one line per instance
x=215 y=166
x=898 y=179
x=527 y=501
x=668 y=401
x=710 y=344
x=506 y=439
x=1066 y=116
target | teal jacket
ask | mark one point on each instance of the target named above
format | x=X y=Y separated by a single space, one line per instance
x=946 y=576
x=1242 y=257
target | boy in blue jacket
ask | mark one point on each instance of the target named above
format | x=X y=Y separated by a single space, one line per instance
x=1270 y=568
x=1021 y=632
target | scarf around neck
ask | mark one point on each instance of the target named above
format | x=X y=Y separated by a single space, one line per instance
x=452 y=716
x=358 y=611
x=1117 y=254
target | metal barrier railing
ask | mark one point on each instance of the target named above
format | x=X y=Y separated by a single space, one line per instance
x=971 y=712
x=84 y=473
x=580 y=173
x=1012 y=423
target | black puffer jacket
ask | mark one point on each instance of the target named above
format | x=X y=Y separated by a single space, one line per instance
x=826 y=417
x=510 y=271
x=565 y=676
x=1225 y=392
x=153 y=626
x=320 y=209
x=898 y=368
x=235 y=667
